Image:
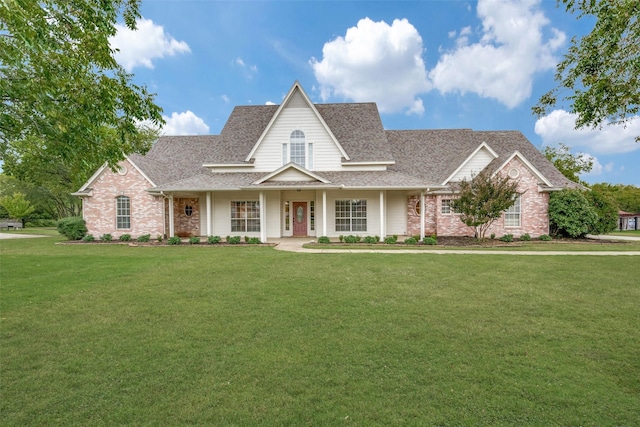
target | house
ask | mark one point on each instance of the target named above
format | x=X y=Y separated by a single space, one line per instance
x=305 y=169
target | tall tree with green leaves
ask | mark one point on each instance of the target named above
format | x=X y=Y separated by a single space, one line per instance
x=571 y=165
x=601 y=71
x=64 y=97
x=483 y=199
x=17 y=206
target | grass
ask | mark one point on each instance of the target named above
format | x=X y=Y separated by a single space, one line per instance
x=538 y=246
x=190 y=335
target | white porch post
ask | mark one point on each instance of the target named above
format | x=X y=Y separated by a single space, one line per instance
x=324 y=213
x=171 y=228
x=209 y=213
x=263 y=214
x=422 y=216
x=383 y=217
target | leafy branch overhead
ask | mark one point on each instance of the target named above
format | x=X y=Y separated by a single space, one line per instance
x=601 y=71
x=64 y=97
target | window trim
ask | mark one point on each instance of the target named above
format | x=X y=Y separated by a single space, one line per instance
x=249 y=211
x=511 y=215
x=123 y=212
x=351 y=218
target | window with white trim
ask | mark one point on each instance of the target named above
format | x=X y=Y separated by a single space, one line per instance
x=245 y=216
x=351 y=215
x=512 y=215
x=123 y=212
x=446 y=207
x=298 y=150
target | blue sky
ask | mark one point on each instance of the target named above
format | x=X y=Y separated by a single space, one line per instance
x=427 y=64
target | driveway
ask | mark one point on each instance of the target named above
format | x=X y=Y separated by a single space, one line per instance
x=5 y=236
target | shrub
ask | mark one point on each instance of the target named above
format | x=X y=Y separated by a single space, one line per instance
x=125 y=238
x=410 y=241
x=159 y=238
x=545 y=238
x=341 y=238
x=73 y=228
x=254 y=241
x=570 y=213
x=507 y=238
x=212 y=240
x=525 y=237
x=106 y=237
x=144 y=238
x=493 y=236
x=391 y=240
x=194 y=240
x=175 y=240
x=430 y=240
x=233 y=240
x=323 y=239
x=88 y=238
x=371 y=239
x=606 y=210
x=351 y=239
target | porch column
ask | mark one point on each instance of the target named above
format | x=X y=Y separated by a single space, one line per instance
x=209 y=213
x=383 y=217
x=422 y=209
x=263 y=223
x=171 y=227
x=324 y=213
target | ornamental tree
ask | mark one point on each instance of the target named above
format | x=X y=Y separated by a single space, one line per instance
x=483 y=199
x=64 y=97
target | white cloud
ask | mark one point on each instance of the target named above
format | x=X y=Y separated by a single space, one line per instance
x=269 y=103
x=225 y=98
x=501 y=65
x=148 y=42
x=559 y=126
x=377 y=62
x=186 y=123
x=249 y=70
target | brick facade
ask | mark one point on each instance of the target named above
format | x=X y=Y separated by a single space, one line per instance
x=186 y=212
x=534 y=218
x=99 y=209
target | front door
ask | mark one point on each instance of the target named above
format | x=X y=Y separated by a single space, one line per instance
x=299 y=218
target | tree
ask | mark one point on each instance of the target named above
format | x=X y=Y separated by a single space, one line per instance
x=601 y=70
x=606 y=209
x=570 y=213
x=569 y=164
x=483 y=199
x=627 y=197
x=64 y=96
x=17 y=206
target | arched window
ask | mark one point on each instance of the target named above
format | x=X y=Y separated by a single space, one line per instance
x=123 y=212
x=297 y=148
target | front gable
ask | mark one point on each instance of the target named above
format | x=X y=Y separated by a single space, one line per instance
x=297 y=113
x=473 y=164
x=291 y=173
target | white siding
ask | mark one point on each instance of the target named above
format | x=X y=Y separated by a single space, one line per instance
x=326 y=155
x=222 y=211
x=292 y=175
x=475 y=164
x=273 y=214
x=373 y=211
x=396 y=213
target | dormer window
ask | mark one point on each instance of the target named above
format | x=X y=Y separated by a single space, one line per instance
x=298 y=151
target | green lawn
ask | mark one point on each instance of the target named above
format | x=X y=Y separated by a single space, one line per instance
x=633 y=233
x=113 y=335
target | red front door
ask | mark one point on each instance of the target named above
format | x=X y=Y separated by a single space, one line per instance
x=299 y=218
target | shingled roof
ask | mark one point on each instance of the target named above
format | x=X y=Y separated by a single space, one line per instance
x=422 y=157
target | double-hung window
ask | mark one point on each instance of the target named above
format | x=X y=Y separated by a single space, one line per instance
x=245 y=216
x=123 y=212
x=512 y=215
x=351 y=215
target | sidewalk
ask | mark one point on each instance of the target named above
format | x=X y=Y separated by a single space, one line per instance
x=292 y=244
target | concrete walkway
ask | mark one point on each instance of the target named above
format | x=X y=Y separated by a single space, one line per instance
x=5 y=236
x=295 y=245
